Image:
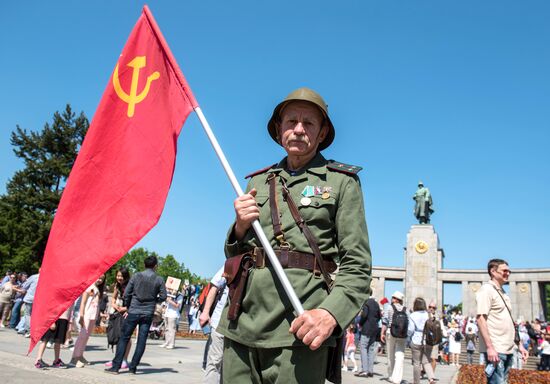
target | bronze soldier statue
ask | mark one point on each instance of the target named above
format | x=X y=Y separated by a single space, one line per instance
x=423 y=208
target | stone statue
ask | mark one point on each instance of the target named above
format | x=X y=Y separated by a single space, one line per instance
x=423 y=208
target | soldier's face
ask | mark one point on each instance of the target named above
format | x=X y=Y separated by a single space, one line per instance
x=301 y=130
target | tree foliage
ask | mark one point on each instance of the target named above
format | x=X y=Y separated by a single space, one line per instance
x=33 y=193
x=167 y=266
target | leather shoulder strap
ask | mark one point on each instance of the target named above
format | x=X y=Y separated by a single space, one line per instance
x=259 y=171
x=307 y=233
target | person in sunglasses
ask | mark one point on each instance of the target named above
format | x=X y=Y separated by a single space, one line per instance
x=496 y=325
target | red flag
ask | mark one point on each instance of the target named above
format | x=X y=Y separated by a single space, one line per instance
x=118 y=185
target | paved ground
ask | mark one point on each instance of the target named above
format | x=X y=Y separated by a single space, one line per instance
x=180 y=365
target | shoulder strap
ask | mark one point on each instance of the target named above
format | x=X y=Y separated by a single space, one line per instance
x=344 y=168
x=274 y=208
x=307 y=233
x=259 y=171
x=506 y=305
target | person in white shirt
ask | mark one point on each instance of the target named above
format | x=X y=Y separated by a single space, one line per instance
x=420 y=351
x=545 y=354
x=218 y=292
x=395 y=346
x=174 y=301
x=496 y=325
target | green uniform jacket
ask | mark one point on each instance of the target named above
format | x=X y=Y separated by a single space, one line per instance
x=338 y=224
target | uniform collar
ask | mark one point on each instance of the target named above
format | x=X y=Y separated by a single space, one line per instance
x=316 y=166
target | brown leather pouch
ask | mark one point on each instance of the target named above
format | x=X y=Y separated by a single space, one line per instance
x=236 y=271
x=334 y=366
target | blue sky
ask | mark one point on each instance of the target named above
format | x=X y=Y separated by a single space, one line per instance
x=453 y=93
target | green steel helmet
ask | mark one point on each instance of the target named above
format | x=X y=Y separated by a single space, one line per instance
x=302 y=94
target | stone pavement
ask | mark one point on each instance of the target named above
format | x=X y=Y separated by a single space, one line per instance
x=159 y=365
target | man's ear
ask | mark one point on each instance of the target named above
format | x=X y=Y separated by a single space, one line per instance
x=323 y=133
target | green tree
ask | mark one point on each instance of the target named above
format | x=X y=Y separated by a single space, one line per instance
x=167 y=266
x=33 y=193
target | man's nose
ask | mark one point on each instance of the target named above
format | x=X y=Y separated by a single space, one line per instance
x=299 y=128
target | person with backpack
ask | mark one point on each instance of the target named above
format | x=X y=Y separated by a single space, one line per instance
x=421 y=351
x=470 y=339
x=368 y=322
x=455 y=338
x=395 y=324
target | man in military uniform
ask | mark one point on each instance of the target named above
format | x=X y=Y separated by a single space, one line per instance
x=267 y=343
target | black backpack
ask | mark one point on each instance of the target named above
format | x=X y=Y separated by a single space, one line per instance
x=399 y=323
x=432 y=332
x=114 y=329
x=458 y=336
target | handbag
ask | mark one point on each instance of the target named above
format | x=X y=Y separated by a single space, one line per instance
x=517 y=339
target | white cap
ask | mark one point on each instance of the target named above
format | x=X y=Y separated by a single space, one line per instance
x=398 y=295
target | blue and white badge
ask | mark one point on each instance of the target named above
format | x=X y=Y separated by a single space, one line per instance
x=308 y=191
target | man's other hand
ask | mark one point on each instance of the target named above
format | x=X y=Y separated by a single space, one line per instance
x=204 y=319
x=313 y=327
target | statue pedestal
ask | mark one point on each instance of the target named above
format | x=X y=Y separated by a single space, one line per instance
x=422 y=261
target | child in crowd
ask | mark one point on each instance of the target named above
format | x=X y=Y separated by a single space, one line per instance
x=89 y=307
x=349 y=349
x=57 y=333
x=194 y=325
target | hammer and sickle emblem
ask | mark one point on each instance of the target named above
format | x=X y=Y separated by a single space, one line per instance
x=133 y=98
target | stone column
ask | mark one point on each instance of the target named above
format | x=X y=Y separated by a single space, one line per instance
x=439 y=299
x=377 y=286
x=421 y=263
x=466 y=302
x=514 y=298
x=536 y=304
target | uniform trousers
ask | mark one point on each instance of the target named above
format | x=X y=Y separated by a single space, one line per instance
x=396 y=357
x=170 y=332
x=82 y=339
x=214 y=360
x=287 y=365
x=421 y=358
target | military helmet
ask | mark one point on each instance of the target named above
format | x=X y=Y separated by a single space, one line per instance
x=420 y=183
x=303 y=94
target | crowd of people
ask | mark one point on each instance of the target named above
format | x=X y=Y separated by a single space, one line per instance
x=433 y=336
x=372 y=334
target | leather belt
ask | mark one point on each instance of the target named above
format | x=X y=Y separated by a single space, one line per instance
x=293 y=259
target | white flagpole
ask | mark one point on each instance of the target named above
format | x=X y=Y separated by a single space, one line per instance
x=256 y=224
